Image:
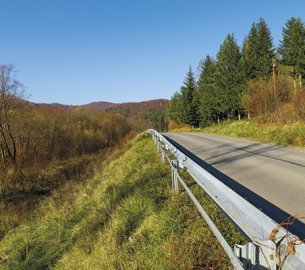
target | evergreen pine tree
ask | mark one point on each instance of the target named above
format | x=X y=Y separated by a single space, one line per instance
x=249 y=54
x=229 y=77
x=208 y=98
x=189 y=101
x=265 y=50
x=292 y=47
x=257 y=52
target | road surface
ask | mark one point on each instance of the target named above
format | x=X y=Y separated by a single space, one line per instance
x=269 y=176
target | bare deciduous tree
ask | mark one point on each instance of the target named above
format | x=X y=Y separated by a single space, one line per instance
x=11 y=90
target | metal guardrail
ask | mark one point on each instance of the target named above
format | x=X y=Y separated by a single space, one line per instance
x=270 y=245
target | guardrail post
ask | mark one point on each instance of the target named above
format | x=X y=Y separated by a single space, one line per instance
x=254 y=256
x=154 y=138
x=158 y=146
x=174 y=165
x=162 y=154
x=173 y=173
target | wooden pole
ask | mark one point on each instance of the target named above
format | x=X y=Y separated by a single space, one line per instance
x=274 y=80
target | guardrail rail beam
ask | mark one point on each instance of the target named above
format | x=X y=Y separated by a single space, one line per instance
x=266 y=249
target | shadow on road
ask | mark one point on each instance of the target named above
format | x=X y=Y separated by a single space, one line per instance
x=250 y=150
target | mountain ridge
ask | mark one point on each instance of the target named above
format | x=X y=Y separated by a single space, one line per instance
x=105 y=105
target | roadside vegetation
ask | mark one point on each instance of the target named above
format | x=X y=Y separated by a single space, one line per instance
x=126 y=216
x=292 y=134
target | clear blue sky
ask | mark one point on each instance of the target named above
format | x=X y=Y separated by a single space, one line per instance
x=75 y=52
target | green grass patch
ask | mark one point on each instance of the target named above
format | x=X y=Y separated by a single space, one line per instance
x=125 y=217
x=283 y=134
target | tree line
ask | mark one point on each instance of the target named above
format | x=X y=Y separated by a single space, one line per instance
x=252 y=80
x=39 y=142
x=38 y=138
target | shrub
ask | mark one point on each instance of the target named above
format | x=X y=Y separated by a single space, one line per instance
x=263 y=97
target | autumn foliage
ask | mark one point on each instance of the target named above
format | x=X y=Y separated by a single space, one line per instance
x=42 y=145
x=44 y=136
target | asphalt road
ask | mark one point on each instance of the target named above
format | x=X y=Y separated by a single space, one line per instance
x=271 y=177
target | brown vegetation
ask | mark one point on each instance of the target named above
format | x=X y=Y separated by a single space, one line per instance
x=129 y=107
x=46 y=137
x=43 y=145
x=275 y=101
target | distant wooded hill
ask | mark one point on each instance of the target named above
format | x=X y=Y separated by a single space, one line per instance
x=127 y=109
x=141 y=115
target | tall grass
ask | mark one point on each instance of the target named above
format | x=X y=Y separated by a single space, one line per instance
x=18 y=205
x=14 y=212
x=125 y=217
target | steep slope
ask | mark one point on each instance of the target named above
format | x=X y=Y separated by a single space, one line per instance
x=125 y=217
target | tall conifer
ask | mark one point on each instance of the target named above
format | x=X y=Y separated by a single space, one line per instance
x=229 y=76
x=189 y=101
x=209 y=100
x=257 y=52
x=292 y=47
x=265 y=50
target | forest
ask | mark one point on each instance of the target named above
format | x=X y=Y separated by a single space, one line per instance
x=256 y=80
x=42 y=146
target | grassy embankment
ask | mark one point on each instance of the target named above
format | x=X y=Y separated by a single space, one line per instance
x=17 y=202
x=283 y=134
x=125 y=217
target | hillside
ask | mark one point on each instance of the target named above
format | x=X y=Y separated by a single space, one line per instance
x=157 y=104
x=127 y=109
x=53 y=106
x=124 y=217
x=130 y=109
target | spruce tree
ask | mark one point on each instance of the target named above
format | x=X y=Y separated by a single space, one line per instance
x=265 y=50
x=292 y=47
x=249 y=54
x=229 y=77
x=189 y=101
x=257 y=52
x=208 y=98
